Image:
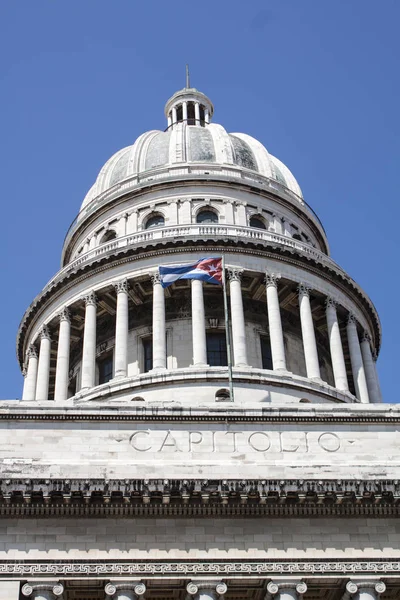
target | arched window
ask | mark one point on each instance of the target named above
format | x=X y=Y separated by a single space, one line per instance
x=257 y=222
x=207 y=216
x=108 y=236
x=155 y=221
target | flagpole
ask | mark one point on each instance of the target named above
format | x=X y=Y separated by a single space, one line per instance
x=227 y=334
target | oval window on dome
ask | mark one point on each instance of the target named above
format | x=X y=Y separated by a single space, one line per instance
x=207 y=216
x=155 y=221
x=257 y=222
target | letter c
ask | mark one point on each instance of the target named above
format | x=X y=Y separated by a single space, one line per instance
x=133 y=439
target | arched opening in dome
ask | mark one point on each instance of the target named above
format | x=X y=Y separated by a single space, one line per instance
x=155 y=221
x=191 y=114
x=297 y=236
x=258 y=222
x=207 y=216
x=108 y=236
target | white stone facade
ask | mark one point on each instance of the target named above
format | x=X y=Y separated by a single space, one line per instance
x=134 y=467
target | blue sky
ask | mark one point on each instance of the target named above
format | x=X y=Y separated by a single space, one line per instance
x=316 y=81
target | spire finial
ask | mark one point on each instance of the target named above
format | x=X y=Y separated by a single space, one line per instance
x=187 y=77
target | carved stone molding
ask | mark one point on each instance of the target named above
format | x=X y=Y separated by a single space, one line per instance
x=351 y=319
x=137 y=587
x=366 y=337
x=65 y=314
x=55 y=587
x=235 y=274
x=90 y=299
x=121 y=286
x=272 y=279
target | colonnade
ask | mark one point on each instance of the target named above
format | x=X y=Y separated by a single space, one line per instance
x=289 y=588
x=366 y=383
x=173 y=115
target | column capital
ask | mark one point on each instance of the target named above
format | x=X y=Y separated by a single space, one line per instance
x=155 y=278
x=219 y=587
x=121 y=286
x=24 y=371
x=303 y=289
x=55 y=587
x=353 y=587
x=113 y=587
x=32 y=352
x=366 y=337
x=271 y=279
x=331 y=302
x=351 y=319
x=374 y=355
x=274 y=587
x=90 y=298
x=65 y=314
x=235 y=274
x=44 y=333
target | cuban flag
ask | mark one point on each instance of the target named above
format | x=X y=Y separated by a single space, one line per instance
x=205 y=269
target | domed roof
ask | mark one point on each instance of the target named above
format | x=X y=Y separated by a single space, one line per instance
x=190 y=139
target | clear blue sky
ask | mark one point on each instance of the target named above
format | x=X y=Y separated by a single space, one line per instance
x=317 y=81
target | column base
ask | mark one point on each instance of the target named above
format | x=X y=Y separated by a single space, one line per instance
x=199 y=365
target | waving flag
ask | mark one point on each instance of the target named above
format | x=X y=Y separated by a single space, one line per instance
x=205 y=269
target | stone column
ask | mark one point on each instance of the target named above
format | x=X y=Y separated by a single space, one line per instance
x=89 y=342
x=308 y=333
x=159 y=340
x=198 y=325
x=174 y=116
x=9 y=590
x=375 y=358
x=43 y=372
x=169 y=120
x=62 y=368
x=206 y=116
x=42 y=590
x=206 y=590
x=275 y=323
x=31 y=374
x=125 y=590
x=364 y=590
x=197 y=113
x=121 y=329
x=357 y=366
x=286 y=589
x=369 y=367
x=184 y=111
x=336 y=348
x=237 y=315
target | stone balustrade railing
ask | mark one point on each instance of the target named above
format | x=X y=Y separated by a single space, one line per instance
x=194 y=230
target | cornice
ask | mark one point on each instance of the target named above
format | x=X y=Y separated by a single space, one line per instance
x=198 y=498
x=273 y=251
x=355 y=414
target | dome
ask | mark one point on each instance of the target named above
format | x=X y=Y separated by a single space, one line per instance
x=188 y=144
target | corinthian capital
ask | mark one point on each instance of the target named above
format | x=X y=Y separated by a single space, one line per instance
x=121 y=286
x=44 y=333
x=303 y=289
x=90 y=299
x=155 y=278
x=272 y=279
x=330 y=302
x=55 y=587
x=32 y=352
x=366 y=337
x=235 y=274
x=351 y=320
x=65 y=314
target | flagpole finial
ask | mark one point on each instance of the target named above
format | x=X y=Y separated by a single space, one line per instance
x=187 y=77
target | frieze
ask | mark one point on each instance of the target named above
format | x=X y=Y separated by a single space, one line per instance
x=24 y=569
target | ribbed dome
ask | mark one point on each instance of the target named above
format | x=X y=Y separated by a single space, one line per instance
x=191 y=144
